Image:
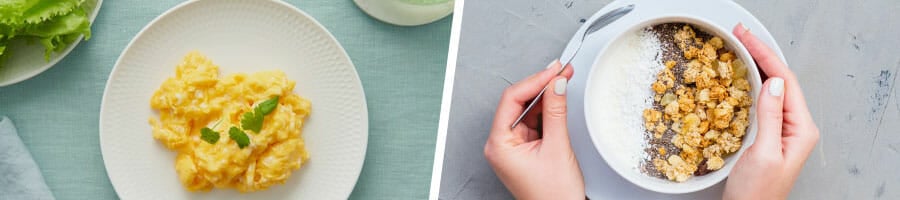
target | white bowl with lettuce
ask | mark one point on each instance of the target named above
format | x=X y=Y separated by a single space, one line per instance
x=36 y=34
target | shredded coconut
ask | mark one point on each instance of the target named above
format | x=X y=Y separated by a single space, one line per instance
x=640 y=62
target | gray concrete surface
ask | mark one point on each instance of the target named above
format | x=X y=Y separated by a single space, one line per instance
x=846 y=55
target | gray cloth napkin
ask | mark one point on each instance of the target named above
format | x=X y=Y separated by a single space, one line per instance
x=20 y=177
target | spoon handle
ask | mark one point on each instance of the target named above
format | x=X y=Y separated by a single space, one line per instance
x=569 y=54
x=535 y=100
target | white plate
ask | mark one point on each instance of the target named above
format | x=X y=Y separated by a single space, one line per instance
x=601 y=182
x=239 y=36
x=28 y=59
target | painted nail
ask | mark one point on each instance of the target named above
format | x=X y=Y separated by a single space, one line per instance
x=776 y=87
x=552 y=63
x=559 y=87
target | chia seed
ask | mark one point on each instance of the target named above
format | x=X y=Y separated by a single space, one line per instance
x=670 y=52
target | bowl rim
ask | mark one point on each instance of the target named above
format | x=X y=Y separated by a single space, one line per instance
x=698 y=23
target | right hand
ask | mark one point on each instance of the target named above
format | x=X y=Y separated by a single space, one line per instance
x=530 y=165
x=787 y=133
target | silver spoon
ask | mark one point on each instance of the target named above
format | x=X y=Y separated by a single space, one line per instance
x=570 y=51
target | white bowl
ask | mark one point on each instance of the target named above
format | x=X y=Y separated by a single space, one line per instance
x=28 y=59
x=605 y=130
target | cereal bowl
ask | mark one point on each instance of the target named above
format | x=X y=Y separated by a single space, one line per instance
x=611 y=121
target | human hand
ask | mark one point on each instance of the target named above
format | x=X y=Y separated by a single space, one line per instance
x=787 y=133
x=531 y=166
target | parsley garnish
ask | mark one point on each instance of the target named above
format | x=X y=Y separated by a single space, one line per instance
x=239 y=137
x=253 y=120
x=209 y=135
x=267 y=106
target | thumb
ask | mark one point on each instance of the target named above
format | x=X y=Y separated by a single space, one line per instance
x=770 y=115
x=554 y=113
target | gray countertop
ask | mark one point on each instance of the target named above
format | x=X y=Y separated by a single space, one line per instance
x=845 y=54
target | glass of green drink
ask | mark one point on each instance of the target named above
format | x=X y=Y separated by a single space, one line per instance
x=406 y=12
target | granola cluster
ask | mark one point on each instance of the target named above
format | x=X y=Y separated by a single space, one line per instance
x=707 y=106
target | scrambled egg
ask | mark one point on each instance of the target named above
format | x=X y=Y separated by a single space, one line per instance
x=196 y=98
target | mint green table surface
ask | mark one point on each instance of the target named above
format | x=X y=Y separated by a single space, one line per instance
x=402 y=71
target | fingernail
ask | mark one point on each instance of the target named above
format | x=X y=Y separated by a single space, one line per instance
x=776 y=87
x=744 y=28
x=559 y=87
x=552 y=63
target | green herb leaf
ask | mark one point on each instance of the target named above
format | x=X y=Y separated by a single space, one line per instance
x=267 y=106
x=252 y=121
x=239 y=137
x=209 y=135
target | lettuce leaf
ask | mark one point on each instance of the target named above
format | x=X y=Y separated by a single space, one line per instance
x=11 y=12
x=2 y=48
x=56 y=24
x=42 y=10
x=58 y=33
x=7 y=31
x=17 y=12
x=74 y=22
x=3 y=53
